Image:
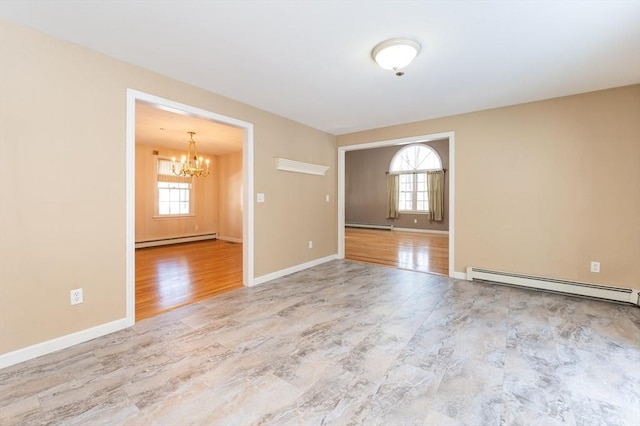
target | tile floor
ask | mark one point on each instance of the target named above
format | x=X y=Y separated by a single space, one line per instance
x=347 y=343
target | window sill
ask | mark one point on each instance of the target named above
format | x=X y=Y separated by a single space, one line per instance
x=173 y=216
x=412 y=212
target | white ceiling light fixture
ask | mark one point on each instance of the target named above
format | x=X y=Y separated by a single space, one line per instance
x=395 y=53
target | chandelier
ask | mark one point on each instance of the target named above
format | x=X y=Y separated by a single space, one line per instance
x=191 y=165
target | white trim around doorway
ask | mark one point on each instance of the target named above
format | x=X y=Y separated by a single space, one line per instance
x=247 y=187
x=393 y=142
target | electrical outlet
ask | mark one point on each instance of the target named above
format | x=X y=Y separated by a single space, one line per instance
x=595 y=266
x=326 y=198
x=76 y=296
x=310 y=244
x=415 y=220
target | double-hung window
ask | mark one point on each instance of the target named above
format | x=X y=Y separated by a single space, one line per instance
x=173 y=192
x=411 y=164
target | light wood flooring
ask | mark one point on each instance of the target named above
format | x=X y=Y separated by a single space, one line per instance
x=179 y=274
x=415 y=251
x=175 y=275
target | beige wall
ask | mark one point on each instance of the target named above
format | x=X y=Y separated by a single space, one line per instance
x=541 y=188
x=546 y=187
x=205 y=219
x=62 y=224
x=230 y=182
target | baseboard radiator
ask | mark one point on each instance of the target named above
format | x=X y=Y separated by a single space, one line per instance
x=364 y=225
x=617 y=294
x=177 y=240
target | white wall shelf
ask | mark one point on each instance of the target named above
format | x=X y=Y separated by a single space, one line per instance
x=300 y=167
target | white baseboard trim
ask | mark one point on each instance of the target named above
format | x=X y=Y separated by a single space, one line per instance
x=297 y=268
x=63 y=342
x=177 y=240
x=424 y=231
x=459 y=275
x=230 y=239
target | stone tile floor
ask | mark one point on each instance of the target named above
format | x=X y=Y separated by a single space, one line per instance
x=346 y=343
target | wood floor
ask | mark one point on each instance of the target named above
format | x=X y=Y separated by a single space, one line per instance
x=415 y=251
x=175 y=275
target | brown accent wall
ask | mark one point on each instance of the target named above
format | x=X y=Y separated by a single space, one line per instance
x=366 y=188
x=546 y=187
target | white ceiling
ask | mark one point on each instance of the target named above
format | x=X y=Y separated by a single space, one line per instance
x=165 y=129
x=310 y=60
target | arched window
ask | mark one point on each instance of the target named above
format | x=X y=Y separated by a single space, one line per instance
x=411 y=163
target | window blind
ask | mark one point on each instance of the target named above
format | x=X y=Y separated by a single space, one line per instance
x=166 y=175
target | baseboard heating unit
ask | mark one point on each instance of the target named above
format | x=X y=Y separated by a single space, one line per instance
x=177 y=240
x=617 y=294
x=362 y=225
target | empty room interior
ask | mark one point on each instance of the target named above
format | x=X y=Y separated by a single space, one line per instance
x=377 y=212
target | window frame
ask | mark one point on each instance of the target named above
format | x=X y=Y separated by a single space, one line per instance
x=157 y=180
x=415 y=173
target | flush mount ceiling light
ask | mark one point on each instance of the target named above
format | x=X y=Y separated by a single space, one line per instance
x=395 y=53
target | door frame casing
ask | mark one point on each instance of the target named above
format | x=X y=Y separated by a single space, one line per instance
x=247 y=185
x=398 y=142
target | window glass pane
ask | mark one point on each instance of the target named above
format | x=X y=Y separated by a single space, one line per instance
x=406 y=190
x=421 y=179
x=163 y=195
x=404 y=200
x=420 y=157
x=394 y=165
x=415 y=157
x=432 y=162
x=406 y=182
x=163 y=208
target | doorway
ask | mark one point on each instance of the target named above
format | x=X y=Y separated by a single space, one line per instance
x=246 y=128
x=397 y=142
